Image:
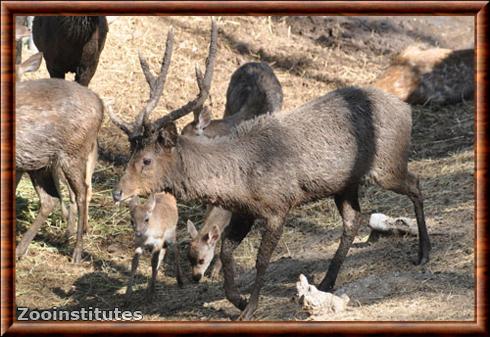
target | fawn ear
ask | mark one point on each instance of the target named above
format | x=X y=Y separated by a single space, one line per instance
x=168 y=135
x=151 y=203
x=213 y=235
x=204 y=119
x=31 y=64
x=191 y=229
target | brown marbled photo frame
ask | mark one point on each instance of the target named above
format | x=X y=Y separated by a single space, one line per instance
x=10 y=325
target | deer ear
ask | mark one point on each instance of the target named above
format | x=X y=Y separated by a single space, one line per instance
x=214 y=235
x=31 y=64
x=151 y=203
x=168 y=135
x=204 y=119
x=191 y=229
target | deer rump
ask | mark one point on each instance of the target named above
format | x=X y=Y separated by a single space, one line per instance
x=70 y=43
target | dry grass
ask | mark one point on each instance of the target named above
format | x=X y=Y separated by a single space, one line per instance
x=380 y=279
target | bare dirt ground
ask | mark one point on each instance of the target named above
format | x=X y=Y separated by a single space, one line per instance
x=310 y=56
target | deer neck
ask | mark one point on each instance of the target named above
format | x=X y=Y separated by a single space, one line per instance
x=205 y=170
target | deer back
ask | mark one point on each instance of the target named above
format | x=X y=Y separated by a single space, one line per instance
x=55 y=120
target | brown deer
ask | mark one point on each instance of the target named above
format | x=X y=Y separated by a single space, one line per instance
x=154 y=224
x=203 y=242
x=273 y=163
x=437 y=75
x=57 y=123
x=71 y=44
x=253 y=90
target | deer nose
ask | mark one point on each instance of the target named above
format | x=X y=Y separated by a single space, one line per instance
x=138 y=234
x=116 y=195
x=196 y=277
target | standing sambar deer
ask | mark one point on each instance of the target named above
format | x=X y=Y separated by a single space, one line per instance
x=155 y=226
x=70 y=44
x=273 y=163
x=57 y=123
x=138 y=132
x=253 y=90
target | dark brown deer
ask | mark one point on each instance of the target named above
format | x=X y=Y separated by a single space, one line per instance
x=253 y=90
x=273 y=163
x=71 y=44
x=155 y=225
x=436 y=75
x=57 y=123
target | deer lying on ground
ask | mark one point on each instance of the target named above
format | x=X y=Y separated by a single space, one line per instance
x=71 y=44
x=57 y=123
x=436 y=75
x=154 y=224
x=253 y=90
x=273 y=163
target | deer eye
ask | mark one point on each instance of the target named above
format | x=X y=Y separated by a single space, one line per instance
x=147 y=219
x=201 y=261
x=146 y=161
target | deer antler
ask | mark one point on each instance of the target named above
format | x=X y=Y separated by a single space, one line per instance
x=156 y=88
x=203 y=82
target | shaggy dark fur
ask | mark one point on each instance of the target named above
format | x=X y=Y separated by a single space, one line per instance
x=71 y=44
x=273 y=163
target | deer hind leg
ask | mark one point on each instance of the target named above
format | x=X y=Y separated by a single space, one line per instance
x=240 y=225
x=270 y=238
x=89 y=171
x=18 y=176
x=409 y=185
x=46 y=190
x=348 y=205
x=68 y=214
x=76 y=181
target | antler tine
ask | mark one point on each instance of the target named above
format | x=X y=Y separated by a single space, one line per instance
x=156 y=83
x=118 y=121
x=204 y=84
x=150 y=79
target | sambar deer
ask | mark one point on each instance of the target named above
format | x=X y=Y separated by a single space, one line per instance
x=273 y=163
x=57 y=123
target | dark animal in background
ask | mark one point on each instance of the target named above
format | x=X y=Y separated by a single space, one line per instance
x=155 y=227
x=437 y=75
x=71 y=44
x=253 y=90
x=57 y=123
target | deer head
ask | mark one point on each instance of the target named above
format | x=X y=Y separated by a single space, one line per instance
x=152 y=142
